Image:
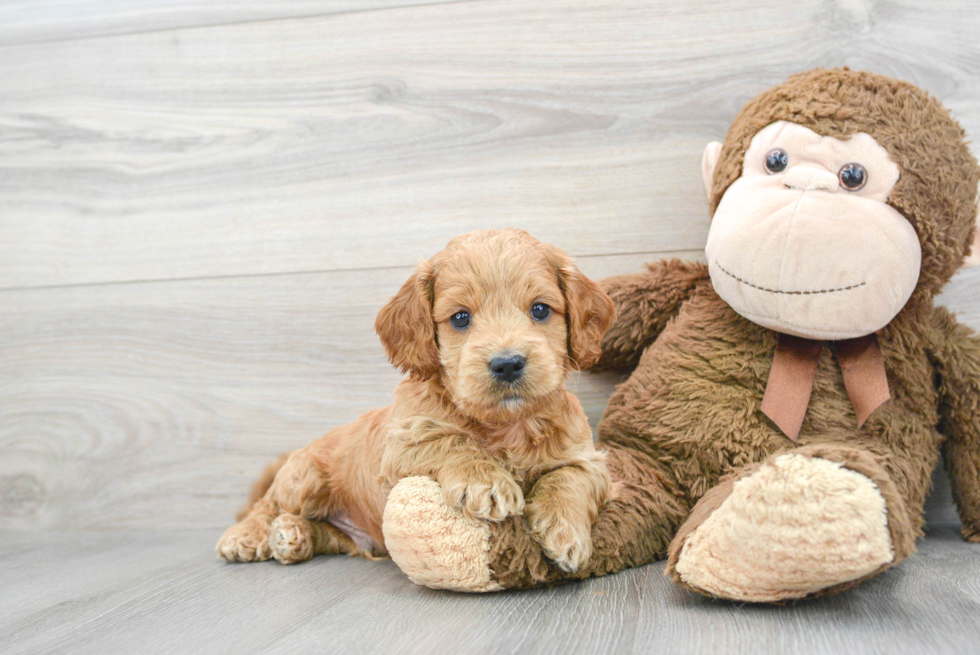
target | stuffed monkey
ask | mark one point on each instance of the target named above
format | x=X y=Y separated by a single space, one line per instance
x=788 y=401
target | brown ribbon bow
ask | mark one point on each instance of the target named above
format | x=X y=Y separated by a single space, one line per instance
x=795 y=365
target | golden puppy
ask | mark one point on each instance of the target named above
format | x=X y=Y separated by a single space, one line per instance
x=487 y=330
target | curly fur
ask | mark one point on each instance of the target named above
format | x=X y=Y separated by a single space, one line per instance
x=496 y=449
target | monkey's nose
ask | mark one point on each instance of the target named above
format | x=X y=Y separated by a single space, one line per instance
x=805 y=178
x=508 y=368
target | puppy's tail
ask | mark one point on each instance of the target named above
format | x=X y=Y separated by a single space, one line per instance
x=262 y=484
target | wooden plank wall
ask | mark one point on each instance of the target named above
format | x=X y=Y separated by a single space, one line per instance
x=203 y=204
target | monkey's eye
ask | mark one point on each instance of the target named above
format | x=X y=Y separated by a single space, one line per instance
x=777 y=160
x=460 y=320
x=852 y=176
x=540 y=311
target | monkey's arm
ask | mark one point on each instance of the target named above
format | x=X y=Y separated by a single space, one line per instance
x=958 y=358
x=645 y=302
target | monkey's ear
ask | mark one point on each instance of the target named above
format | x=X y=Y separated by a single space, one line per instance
x=708 y=162
x=406 y=327
x=974 y=258
x=973 y=241
x=589 y=312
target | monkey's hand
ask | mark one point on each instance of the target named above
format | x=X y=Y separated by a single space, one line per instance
x=645 y=302
x=957 y=356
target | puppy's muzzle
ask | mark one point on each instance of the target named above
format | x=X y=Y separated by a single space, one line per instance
x=508 y=367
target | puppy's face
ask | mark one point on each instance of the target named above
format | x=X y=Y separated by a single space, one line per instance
x=500 y=326
x=501 y=318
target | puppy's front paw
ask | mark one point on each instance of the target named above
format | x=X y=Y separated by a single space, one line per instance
x=247 y=541
x=484 y=492
x=291 y=539
x=564 y=537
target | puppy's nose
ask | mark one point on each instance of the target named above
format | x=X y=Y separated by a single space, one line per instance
x=507 y=368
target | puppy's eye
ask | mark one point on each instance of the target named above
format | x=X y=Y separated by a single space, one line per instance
x=777 y=160
x=540 y=311
x=852 y=176
x=460 y=320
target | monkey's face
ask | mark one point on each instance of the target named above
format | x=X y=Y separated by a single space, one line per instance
x=805 y=243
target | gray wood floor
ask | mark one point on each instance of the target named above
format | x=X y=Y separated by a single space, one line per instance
x=98 y=592
x=203 y=204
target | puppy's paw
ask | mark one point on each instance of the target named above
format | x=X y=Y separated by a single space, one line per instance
x=483 y=492
x=290 y=539
x=247 y=541
x=565 y=538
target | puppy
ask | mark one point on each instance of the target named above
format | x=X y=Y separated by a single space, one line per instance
x=487 y=331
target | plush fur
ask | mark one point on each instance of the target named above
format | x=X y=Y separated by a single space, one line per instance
x=685 y=430
x=496 y=448
x=766 y=552
x=938 y=186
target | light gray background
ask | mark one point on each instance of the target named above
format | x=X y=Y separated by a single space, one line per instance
x=203 y=205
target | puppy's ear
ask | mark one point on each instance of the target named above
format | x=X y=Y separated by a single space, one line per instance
x=589 y=312
x=406 y=328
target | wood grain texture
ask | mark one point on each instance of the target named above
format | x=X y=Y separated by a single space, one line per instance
x=167 y=592
x=962 y=296
x=365 y=139
x=155 y=405
x=39 y=21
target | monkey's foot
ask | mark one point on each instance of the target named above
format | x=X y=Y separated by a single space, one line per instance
x=434 y=544
x=796 y=526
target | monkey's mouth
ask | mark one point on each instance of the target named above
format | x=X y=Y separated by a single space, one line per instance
x=786 y=292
